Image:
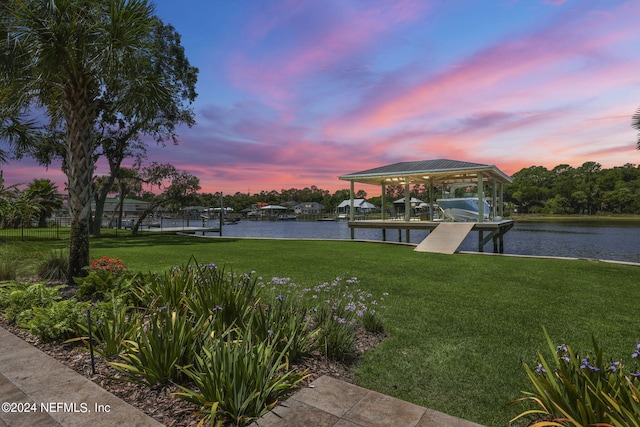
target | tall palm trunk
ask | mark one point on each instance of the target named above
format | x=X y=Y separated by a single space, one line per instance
x=79 y=109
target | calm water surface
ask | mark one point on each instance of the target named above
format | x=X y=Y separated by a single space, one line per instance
x=620 y=241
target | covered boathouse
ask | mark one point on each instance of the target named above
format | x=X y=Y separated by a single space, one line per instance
x=432 y=173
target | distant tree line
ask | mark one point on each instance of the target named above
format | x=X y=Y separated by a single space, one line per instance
x=588 y=189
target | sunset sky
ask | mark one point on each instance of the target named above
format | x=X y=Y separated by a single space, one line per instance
x=294 y=93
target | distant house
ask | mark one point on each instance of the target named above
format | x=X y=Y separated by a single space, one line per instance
x=194 y=211
x=131 y=208
x=399 y=205
x=308 y=208
x=359 y=205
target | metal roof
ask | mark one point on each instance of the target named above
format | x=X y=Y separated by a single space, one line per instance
x=425 y=171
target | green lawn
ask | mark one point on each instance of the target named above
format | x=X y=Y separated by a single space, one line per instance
x=458 y=325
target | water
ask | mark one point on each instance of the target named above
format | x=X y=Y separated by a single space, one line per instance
x=599 y=240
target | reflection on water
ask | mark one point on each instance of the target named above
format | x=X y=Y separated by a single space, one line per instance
x=581 y=240
x=619 y=241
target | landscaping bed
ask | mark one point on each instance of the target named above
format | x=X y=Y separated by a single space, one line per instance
x=171 y=343
x=160 y=402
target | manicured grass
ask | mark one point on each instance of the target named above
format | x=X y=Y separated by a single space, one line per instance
x=459 y=325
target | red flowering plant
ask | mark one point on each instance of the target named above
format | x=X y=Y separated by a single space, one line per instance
x=104 y=276
x=112 y=265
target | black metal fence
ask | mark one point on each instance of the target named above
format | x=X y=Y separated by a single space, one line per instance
x=56 y=229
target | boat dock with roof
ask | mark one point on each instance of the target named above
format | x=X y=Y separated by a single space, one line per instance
x=432 y=173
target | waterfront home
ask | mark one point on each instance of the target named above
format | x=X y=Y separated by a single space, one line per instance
x=359 y=206
x=308 y=208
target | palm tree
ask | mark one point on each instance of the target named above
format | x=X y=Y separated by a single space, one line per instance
x=45 y=194
x=66 y=56
x=635 y=122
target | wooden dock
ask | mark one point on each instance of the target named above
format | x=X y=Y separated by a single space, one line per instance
x=183 y=230
x=445 y=238
x=495 y=229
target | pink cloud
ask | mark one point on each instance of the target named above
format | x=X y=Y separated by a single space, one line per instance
x=489 y=75
x=342 y=32
x=28 y=170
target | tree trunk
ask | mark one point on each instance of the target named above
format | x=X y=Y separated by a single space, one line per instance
x=96 y=224
x=136 y=226
x=79 y=114
x=102 y=197
x=42 y=220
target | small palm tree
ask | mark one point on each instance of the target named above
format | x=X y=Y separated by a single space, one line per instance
x=45 y=194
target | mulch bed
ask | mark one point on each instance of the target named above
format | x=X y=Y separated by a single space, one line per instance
x=159 y=402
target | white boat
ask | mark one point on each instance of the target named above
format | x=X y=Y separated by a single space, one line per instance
x=463 y=209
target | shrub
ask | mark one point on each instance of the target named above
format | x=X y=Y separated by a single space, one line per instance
x=8 y=269
x=293 y=324
x=9 y=263
x=166 y=340
x=232 y=298
x=101 y=284
x=240 y=379
x=582 y=390
x=54 y=266
x=6 y=289
x=336 y=308
x=112 y=265
x=372 y=322
x=19 y=300
x=337 y=339
x=166 y=289
x=113 y=323
x=59 y=320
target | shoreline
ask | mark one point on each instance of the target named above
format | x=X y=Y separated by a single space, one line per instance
x=627 y=218
x=610 y=261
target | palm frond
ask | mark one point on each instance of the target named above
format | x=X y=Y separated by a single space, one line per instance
x=635 y=122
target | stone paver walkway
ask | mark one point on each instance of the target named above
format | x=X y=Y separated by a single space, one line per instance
x=37 y=390
x=333 y=403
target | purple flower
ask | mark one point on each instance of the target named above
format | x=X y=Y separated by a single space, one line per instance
x=586 y=365
x=217 y=308
x=540 y=369
x=614 y=365
x=280 y=297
